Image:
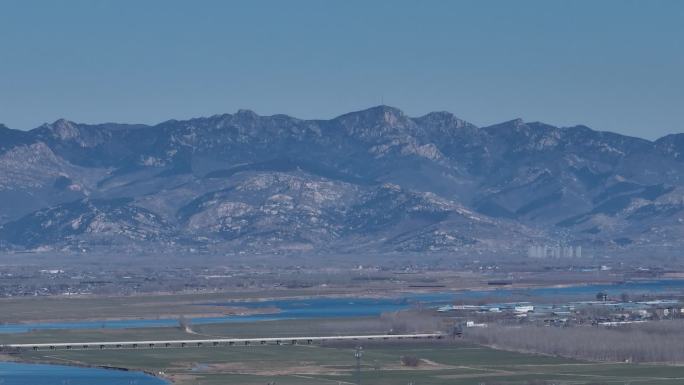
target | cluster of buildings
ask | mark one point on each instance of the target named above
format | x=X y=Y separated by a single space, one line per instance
x=554 y=251
x=601 y=312
x=521 y=308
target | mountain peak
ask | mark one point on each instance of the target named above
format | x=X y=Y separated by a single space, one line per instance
x=507 y=126
x=246 y=113
x=61 y=121
x=517 y=123
x=443 y=118
x=383 y=108
x=672 y=144
x=442 y=115
x=379 y=114
x=374 y=123
x=62 y=129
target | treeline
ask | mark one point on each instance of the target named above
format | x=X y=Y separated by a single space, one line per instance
x=648 y=342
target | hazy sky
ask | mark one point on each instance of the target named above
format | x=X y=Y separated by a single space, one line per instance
x=612 y=65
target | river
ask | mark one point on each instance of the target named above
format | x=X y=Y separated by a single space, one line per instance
x=359 y=307
x=12 y=373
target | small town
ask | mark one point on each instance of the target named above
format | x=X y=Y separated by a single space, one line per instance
x=603 y=311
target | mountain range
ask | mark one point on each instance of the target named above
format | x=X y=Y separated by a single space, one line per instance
x=375 y=181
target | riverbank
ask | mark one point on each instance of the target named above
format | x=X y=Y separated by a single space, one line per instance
x=153 y=306
x=367 y=304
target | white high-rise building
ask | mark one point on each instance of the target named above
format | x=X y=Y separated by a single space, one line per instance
x=554 y=251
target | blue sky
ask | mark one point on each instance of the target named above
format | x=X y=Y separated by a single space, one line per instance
x=612 y=65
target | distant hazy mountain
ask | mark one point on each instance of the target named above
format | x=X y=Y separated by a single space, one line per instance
x=369 y=181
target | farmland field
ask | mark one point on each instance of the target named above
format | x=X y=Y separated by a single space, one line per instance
x=447 y=363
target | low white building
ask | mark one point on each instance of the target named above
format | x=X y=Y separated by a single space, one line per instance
x=520 y=309
x=472 y=324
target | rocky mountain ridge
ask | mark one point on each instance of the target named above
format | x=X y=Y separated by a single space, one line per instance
x=369 y=181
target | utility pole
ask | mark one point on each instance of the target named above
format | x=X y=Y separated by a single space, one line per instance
x=358 y=354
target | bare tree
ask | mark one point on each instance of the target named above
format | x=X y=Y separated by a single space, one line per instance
x=184 y=324
x=410 y=361
x=649 y=342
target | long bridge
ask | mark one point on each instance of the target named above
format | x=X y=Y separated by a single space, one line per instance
x=218 y=342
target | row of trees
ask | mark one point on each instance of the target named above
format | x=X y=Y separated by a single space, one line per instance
x=648 y=342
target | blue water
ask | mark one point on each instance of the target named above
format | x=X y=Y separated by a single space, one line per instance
x=29 y=374
x=357 y=307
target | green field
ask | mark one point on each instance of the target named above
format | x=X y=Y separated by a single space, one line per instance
x=444 y=363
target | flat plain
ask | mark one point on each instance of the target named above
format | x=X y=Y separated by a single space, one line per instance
x=448 y=363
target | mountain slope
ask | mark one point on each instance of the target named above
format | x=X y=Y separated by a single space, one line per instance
x=375 y=180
